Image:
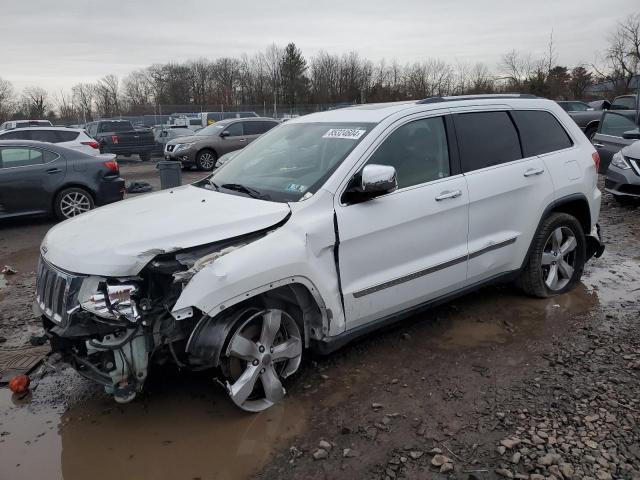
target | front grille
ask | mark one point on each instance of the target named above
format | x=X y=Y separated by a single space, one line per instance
x=170 y=148
x=56 y=292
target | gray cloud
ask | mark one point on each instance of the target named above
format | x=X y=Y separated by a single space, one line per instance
x=55 y=44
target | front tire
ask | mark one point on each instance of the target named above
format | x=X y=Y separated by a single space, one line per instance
x=71 y=202
x=265 y=348
x=145 y=157
x=556 y=259
x=206 y=160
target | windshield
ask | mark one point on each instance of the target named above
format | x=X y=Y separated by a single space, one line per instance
x=210 y=130
x=290 y=161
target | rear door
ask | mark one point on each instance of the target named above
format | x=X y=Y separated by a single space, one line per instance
x=28 y=178
x=508 y=191
x=608 y=140
x=253 y=129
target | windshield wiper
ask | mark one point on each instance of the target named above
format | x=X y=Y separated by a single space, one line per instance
x=213 y=184
x=238 y=187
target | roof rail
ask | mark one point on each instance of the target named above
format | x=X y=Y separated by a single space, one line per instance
x=475 y=97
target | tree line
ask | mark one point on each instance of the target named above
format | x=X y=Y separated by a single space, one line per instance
x=282 y=77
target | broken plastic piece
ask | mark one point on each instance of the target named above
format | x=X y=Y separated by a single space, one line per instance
x=19 y=384
x=9 y=270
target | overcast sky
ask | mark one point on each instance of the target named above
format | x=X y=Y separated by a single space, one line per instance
x=57 y=43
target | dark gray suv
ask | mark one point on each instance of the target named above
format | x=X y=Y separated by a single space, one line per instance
x=204 y=147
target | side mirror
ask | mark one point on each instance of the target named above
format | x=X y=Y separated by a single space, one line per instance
x=632 y=134
x=224 y=134
x=373 y=181
x=378 y=179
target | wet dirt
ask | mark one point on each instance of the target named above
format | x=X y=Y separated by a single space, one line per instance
x=435 y=376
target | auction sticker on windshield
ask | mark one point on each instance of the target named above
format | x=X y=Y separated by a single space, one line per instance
x=349 y=133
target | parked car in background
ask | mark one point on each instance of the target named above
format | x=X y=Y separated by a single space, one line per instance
x=205 y=147
x=25 y=123
x=73 y=138
x=602 y=104
x=586 y=117
x=609 y=139
x=163 y=134
x=45 y=178
x=329 y=227
x=575 y=106
x=623 y=175
x=624 y=102
x=122 y=138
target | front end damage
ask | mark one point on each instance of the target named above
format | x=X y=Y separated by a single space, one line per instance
x=111 y=329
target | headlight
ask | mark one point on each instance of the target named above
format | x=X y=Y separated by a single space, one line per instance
x=183 y=146
x=619 y=162
x=109 y=300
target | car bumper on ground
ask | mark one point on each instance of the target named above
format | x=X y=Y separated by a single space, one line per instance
x=622 y=182
x=110 y=190
x=595 y=245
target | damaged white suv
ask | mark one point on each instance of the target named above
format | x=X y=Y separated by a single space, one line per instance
x=327 y=227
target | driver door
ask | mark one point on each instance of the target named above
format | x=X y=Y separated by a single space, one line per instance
x=235 y=139
x=407 y=247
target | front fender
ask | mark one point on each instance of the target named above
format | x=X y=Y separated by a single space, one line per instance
x=301 y=251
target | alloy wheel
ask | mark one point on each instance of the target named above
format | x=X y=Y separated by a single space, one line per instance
x=207 y=161
x=74 y=203
x=559 y=258
x=266 y=348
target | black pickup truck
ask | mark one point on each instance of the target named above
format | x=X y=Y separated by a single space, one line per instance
x=122 y=138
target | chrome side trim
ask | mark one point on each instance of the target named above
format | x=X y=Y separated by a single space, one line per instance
x=433 y=269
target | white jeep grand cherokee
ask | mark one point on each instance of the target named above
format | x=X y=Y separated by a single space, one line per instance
x=327 y=227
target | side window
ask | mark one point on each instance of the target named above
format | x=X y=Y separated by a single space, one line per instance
x=92 y=129
x=418 y=150
x=540 y=132
x=253 y=128
x=16 y=135
x=624 y=103
x=235 y=129
x=615 y=125
x=43 y=135
x=20 y=157
x=486 y=139
x=266 y=126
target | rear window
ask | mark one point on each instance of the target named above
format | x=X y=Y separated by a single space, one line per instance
x=66 y=136
x=115 y=127
x=540 y=132
x=486 y=139
x=615 y=125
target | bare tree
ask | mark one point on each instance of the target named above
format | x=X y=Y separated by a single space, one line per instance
x=516 y=69
x=35 y=102
x=65 y=107
x=83 y=98
x=7 y=100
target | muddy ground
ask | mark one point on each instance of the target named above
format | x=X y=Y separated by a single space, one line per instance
x=493 y=385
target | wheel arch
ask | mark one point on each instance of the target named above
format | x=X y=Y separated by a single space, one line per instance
x=211 y=149
x=575 y=205
x=58 y=190
x=207 y=339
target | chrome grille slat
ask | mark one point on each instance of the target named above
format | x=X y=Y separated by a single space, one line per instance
x=56 y=291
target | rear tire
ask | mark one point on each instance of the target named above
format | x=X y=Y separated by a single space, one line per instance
x=71 y=202
x=206 y=160
x=590 y=132
x=145 y=157
x=556 y=259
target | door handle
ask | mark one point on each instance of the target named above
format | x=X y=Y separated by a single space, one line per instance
x=599 y=145
x=533 y=171
x=448 y=194
x=54 y=170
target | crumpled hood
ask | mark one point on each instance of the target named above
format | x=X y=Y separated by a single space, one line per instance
x=121 y=238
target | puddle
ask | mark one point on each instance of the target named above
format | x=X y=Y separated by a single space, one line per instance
x=496 y=315
x=615 y=283
x=183 y=428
